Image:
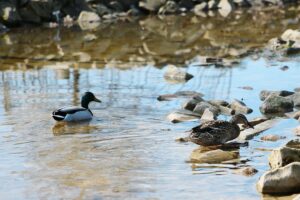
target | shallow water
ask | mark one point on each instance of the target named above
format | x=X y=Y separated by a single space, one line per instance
x=128 y=151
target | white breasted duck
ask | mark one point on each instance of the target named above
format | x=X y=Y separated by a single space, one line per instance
x=73 y=113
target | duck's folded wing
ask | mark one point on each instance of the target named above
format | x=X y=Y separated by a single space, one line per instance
x=61 y=113
x=71 y=110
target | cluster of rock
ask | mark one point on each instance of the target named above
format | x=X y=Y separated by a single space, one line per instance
x=284 y=176
x=13 y=12
x=288 y=43
x=279 y=102
x=196 y=107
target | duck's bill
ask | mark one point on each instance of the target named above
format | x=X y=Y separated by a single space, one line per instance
x=97 y=100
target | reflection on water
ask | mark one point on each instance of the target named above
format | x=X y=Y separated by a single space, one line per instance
x=128 y=149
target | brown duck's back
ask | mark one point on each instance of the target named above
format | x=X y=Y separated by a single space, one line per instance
x=214 y=133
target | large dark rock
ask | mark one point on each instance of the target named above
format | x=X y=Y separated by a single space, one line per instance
x=276 y=104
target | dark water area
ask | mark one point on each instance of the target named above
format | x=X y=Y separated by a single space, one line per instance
x=128 y=150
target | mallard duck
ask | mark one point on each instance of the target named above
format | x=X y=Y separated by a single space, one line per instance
x=218 y=132
x=74 y=113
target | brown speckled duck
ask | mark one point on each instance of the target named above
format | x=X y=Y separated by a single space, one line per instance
x=218 y=132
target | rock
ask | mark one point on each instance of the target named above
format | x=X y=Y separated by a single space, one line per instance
x=283 y=156
x=265 y=93
x=214 y=156
x=207 y=116
x=177 y=75
x=281 y=181
x=297 y=89
x=246 y=171
x=212 y=5
x=182 y=116
x=170 y=7
x=276 y=104
x=191 y=104
x=151 y=5
x=167 y=97
x=199 y=8
x=250 y=133
x=89 y=37
x=297 y=131
x=224 y=8
x=284 y=68
x=201 y=106
x=82 y=56
x=294 y=144
x=101 y=9
x=86 y=16
x=218 y=102
x=9 y=14
x=295 y=98
x=226 y=111
x=272 y=138
x=290 y=34
x=297 y=197
x=116 y=6
x=240 y=107
x=295 y=114
x=246 y=88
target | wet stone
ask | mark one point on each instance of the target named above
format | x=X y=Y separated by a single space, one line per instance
x=240 y=107
x=281 y=181
x=182 y=116
x=174 y=74
x=294 y=144
x=246 y=171
x=283 y=156
x=192 y=103
x=200 y=108
x=272 y=138
x=208 y=116
x=276 y=104
x=265 y=93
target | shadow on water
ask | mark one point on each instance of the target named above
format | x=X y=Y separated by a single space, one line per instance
x=128 y=150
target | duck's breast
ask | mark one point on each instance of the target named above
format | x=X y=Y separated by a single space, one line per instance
x=79 y=116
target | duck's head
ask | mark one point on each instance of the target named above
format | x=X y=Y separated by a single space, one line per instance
x=87 y=98
x=240 y=119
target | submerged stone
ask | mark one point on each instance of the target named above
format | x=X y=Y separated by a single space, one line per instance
x=175 y=74
x=214 y=156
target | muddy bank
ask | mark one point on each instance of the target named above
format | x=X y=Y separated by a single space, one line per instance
x=13 y=13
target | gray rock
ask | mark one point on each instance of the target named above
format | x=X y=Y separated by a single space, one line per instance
x=283 y=156
x=276 y=104
x=295 y=98
x=246 y=171
x=176 y=75
x=218 y=102
x=207 y=116
x=182 y=116
x=191 y=104
x=170 y=7
x=265 y=93
x=281 y=181
x=184 y=94
x=272 y=138
x=151 y=5
x=200 y=108
x=240 y=107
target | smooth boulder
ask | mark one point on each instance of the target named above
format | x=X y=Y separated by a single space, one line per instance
x=265 y=93
x=276 y=104
x=280 y=181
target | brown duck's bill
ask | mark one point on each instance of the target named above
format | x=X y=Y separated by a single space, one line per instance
x=97 y=100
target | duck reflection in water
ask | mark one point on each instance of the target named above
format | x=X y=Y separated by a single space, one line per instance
x=68 y=128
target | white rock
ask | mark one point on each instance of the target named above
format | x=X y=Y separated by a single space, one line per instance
x=290 y=34
x=224 y=8
x=86 y=16
x=175 y=74
x=282 y=180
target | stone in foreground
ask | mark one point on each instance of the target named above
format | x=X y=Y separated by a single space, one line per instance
x=276 y=104
x=283 y=180
x=283 y=156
